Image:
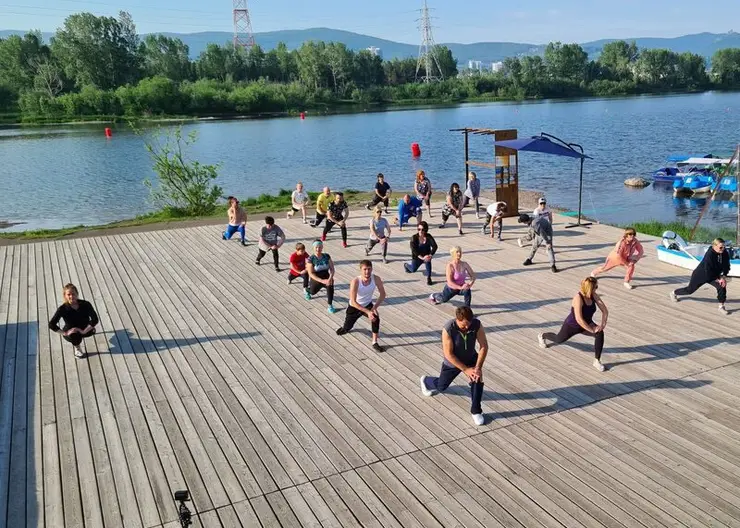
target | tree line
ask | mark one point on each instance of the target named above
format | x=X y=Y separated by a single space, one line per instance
x=99 y=66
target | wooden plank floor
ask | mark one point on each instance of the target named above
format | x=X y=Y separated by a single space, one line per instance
x=211 y=374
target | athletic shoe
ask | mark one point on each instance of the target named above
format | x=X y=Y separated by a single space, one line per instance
x=592 y=275
x=477 y=216
x=331 y=309
x=307 y=295
x=244 y=243
x=599 y=366
x=289 y=281
x=723 y=310
x=482 y=230
x=519 y=241
x=673 y=296
x=341 y=331
x=628 y=285
x=478 y=419
x=431 y=299
x=344 y=244
x=223 y=236
x=78 y=353
x=385 y=260
x=367 y=252
x=305 y=221
x=257 y=262
x=424 y=390
x=378 y=348
x=429 y=281
x=554 y=269
x=459 y=231
x=527 y=262
x=541 y=340
x=323 y=238
x=312 y=223
x=406 y=267
x=500 y=239
x=278 y=269
x=441 y=226
x=287 y=216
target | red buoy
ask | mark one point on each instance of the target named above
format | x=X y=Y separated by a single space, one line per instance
x=303 y=115
x=108 y=132
x=415 y=150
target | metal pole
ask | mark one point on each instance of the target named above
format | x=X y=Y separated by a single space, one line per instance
x=580 y=194
x=466 y=158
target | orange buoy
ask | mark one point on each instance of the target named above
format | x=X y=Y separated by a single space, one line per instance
x=415 y=150
x=108 y=132
x=303 y=115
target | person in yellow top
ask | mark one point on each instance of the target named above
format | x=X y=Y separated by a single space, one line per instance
x=322 y=206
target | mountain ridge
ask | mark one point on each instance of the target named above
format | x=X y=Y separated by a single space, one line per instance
x=705 y=43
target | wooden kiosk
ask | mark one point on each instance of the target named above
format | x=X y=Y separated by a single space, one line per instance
x=505 y=165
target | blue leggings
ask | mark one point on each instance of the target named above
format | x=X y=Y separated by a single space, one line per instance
x=231 y=229
x=448 y=293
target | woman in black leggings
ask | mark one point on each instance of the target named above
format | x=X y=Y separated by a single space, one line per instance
x=79 y=319
x=580 y=320
x=321 y=275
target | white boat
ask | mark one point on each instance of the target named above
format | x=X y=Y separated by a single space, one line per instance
x=676 y=251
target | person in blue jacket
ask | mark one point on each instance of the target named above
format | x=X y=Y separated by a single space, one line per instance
x=409 y=206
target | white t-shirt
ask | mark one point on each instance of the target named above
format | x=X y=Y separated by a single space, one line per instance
x=541 y=212
x=299 y=197
x=493 y=208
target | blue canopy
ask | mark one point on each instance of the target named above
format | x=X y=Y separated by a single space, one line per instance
x=541 y=144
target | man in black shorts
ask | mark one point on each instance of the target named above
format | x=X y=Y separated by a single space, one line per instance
x=458 y=346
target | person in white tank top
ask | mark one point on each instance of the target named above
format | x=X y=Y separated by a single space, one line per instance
x=361 y=292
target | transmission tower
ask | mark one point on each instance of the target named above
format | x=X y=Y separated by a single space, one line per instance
x=243 y=36
x=427 y=50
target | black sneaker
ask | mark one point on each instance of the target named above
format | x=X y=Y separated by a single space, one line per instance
x=460 y=231
x=527 y=262
x=341 y=331
x=278 y=269
x=378 y=348
x=429 y=281
x=554 y=269
x=257 y=262
x=244 y=243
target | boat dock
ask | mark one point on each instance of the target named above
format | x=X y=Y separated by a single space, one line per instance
x=211 y=374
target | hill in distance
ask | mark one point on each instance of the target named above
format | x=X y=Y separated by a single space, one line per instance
x=704 y=44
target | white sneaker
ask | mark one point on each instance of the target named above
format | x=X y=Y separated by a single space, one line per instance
x=723 y=310
x=628 y=285
x=673 y=297
x=424 y=390
x=592 y=275
x=519 y=241
x=78 y=352
x=599 y=366
x=478 y=419
x=305 y=221
x=541 y=340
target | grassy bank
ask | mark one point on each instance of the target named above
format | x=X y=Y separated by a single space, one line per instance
x=703 y=234
x=262 y=204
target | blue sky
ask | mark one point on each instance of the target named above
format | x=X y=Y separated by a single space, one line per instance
x=533 y=21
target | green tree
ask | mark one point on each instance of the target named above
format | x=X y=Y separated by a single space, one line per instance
x=98 y=51
x=566 y=61
x=691 y=71
x=166 y=56
x=339 y=60
x=184 y=186
x=447 y=63
x=726 y=67
x=19 y=58
x=512 y=69
x=399 y=71
x=312 y=69
x=533 y=75
x=657 y=68
x=367 y=69
x=618 y=58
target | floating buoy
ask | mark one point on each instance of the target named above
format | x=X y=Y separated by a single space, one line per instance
x=108 y=132
x=303 y=115
x=636 y=182
x=415 y=150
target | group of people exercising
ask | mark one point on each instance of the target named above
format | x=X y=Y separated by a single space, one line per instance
x=315 y=268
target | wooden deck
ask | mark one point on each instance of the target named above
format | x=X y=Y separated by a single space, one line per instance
x=212 y=374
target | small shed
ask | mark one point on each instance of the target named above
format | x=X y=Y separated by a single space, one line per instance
x=505 y=164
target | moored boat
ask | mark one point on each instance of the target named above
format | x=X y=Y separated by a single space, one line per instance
x=676 y=251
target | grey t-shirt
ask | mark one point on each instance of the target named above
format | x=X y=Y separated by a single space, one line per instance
x=381 y=226
x=270 y=236
x=542 y=227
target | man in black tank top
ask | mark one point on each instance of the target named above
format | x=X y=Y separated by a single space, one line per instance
x=459 y=337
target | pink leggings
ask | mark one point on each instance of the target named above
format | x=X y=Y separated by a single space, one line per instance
x=612 y=261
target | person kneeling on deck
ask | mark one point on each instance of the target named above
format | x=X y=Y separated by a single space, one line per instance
x=382 y=194
x=409 y=207
x=458 y=346
x=237 y=221
x=540 y=230
x=495 y=217
x=79 y=317
x=361 y=291
x=713 y=269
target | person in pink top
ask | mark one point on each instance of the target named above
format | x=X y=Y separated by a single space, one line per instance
x=626 y=253
x=460 y=279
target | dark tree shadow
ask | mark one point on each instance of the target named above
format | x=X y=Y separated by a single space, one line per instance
x=518 y=306
x=124 y=341
x=586 y=247
x=563 y=395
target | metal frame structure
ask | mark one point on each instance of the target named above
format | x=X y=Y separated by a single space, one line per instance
x=243 y=36
x=427 y=49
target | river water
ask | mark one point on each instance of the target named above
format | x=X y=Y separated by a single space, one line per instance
x=63 y=176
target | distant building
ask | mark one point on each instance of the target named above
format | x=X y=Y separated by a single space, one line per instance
x=475 y=65
x=375 y=51
x=497 y=66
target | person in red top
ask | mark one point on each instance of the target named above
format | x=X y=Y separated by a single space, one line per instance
x=298 y=265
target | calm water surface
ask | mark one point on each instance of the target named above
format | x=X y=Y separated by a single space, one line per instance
x=63 y=176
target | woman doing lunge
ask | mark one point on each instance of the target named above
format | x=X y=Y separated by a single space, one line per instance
x=453 y=207
x=460 y=279
x=626 y=253
x=713 y=269
x=321 y=275
x=423 y=188
x=472 y=192
x=79 y=317
x=580 y=320
x=423 y=247
x=361 y=291
x=459 y=337
x=380 y=233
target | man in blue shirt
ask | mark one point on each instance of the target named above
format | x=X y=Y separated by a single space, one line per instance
x=407 y=207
